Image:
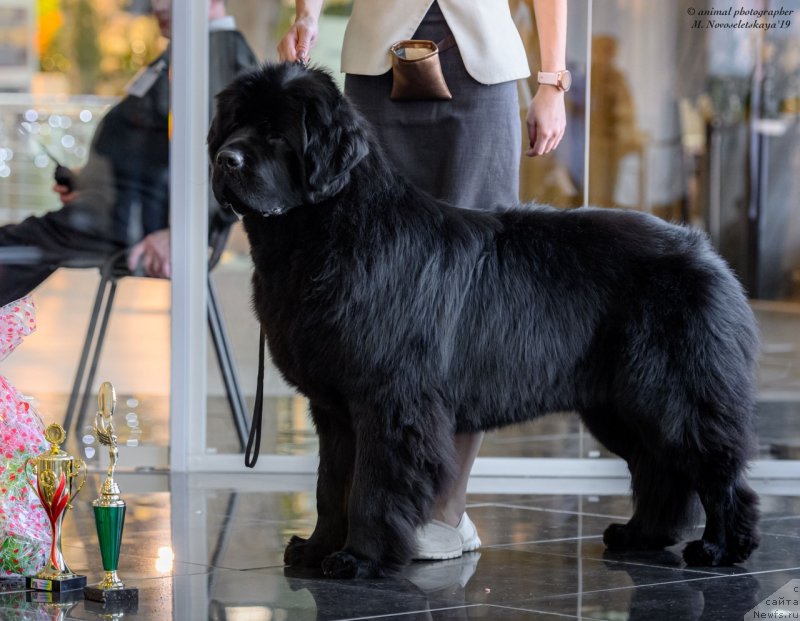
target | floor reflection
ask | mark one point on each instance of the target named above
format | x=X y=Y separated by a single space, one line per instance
x=198 y=550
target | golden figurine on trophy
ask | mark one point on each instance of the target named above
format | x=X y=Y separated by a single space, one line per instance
x=109 y=510
x=53 y=473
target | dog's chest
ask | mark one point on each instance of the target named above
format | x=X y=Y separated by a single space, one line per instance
x=290 y=308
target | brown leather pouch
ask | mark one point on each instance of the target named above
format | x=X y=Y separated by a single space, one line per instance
x=417 y=72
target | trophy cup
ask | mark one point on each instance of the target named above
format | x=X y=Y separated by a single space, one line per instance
x=109 y=511
x=53 y=473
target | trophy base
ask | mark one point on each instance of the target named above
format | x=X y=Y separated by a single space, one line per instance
x=55 y=586
x=126 y=596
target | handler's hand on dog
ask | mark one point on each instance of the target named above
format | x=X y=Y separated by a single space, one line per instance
x=547 y=120
x=153 y=254
x=297 y=43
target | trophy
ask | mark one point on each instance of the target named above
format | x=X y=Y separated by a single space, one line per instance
x=53 y=474
x=109 y=511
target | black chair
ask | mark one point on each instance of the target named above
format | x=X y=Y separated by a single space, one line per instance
x=111 y=272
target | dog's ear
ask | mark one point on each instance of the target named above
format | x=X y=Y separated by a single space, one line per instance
x=214 y=132
x=225 y=108
x=335 y=141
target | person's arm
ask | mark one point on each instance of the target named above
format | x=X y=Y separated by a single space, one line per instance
x=302 y=36
x=547 y=117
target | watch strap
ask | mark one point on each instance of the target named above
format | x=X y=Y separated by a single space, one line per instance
x=552 y=78
x=548 y=77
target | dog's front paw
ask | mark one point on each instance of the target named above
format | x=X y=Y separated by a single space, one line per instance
x=617 y=537
x=623 y=537
x=294 y=554
x=304 y=553
x=702 y=553
x=344 y=565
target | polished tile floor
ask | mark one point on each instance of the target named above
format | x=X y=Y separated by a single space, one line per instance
x=197 y=548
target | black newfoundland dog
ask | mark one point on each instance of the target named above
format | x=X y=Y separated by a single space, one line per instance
x=405 y=320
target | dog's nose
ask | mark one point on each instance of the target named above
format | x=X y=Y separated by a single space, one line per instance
x=230 y=159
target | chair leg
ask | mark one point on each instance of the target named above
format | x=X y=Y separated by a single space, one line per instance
x=93 y=344
x=227 y=368
x=100 y=303
x=101 y=336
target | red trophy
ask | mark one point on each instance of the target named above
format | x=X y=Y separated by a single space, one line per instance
x=53 y=474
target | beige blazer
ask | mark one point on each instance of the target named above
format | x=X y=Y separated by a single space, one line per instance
x=487 y=38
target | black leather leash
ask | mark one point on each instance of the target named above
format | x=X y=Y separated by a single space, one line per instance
x=254 y=441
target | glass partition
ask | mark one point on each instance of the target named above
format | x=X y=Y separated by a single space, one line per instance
x=694 y=119
x=287 y=428
x=557 y=179
x=687 y=122
x=66 y=69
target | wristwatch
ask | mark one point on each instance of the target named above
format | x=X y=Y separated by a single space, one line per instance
x=562 y=80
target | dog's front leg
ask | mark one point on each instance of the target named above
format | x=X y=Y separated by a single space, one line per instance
x=336 y=457
x=404 y=457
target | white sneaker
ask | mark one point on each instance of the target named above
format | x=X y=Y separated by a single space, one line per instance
x=437 y=541
x=469 y=534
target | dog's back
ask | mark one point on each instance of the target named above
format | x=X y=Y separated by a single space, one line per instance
x=534 y=310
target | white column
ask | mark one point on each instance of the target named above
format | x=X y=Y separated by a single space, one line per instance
x=189 y=228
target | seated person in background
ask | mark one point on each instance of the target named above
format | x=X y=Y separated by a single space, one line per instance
x=121 y=196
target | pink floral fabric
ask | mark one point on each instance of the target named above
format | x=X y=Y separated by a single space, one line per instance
x=17 y=320
x=24 y=528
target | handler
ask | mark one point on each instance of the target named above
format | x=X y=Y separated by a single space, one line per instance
x=465 y=151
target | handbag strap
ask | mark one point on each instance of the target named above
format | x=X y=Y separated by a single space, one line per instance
x=254 y=440
x=446 y=43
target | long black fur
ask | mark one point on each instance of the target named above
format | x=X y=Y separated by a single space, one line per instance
x=405 y=320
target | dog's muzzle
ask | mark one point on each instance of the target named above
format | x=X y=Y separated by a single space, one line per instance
x=229 y=160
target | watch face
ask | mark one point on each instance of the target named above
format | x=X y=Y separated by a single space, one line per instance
x=565 y=80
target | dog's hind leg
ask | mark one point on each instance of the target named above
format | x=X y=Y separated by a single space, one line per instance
x=664 y=503
x=607 y=427
x=336 y=457
x=731 y=531
x=716 y=458
x=663 y=500
x=404 y=458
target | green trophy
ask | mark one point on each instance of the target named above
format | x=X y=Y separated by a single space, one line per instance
x=109 y=511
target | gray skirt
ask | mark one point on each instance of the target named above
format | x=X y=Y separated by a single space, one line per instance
x=465 y=151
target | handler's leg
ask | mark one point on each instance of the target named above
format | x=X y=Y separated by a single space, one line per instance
x=450 y=507
x=451 y=532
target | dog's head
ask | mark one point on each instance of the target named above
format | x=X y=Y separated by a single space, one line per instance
x=283 y=136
